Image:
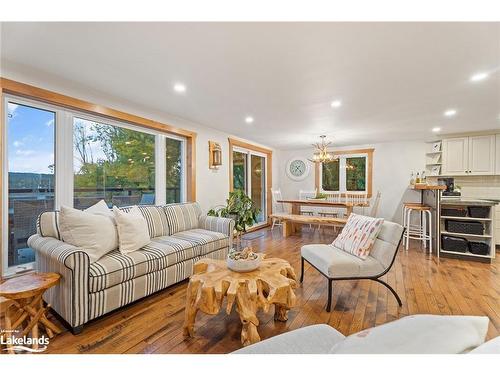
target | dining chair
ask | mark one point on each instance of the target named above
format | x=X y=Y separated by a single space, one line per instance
x=332 y=212
x=303 y=195
x=278 y=207
x=356 y=198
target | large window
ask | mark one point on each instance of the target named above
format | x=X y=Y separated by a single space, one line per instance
x=30 y=138
x=55 y=156
x=112 y=163
x=348 y=173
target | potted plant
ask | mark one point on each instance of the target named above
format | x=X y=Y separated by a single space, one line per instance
x=241 y=209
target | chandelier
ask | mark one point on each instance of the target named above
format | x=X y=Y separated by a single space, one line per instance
x=321 y=153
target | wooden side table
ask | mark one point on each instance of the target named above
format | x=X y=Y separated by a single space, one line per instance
x=271 y=284
x=24 y=305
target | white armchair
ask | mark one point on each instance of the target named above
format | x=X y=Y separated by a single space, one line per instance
x=336 y=264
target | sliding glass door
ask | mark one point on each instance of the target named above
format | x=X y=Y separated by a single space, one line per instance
x=258 y=181
x=240 y=161
x=249 y=175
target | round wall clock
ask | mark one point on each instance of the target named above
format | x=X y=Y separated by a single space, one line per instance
x=297 y=169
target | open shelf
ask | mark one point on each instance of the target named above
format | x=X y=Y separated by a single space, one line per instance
x=466 y=218
x=466 y=235
x=466 y=254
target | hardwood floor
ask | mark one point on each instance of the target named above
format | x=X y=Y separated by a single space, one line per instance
x=424 y=283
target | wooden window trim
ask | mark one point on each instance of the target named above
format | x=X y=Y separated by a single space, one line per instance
x=269 y=165
x=368 y=151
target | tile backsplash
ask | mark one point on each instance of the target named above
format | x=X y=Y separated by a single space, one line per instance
x=479 y=186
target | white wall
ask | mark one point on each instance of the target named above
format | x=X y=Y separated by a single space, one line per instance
x=212 y=186
x=392 y=166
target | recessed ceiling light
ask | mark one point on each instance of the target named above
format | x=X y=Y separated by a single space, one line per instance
x=479 y=77
x=179 y=87
x=436 y=129
x=450 y=112
x=336 y=103
x=249 y=119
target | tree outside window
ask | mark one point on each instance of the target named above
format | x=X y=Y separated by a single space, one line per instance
x=112 y=163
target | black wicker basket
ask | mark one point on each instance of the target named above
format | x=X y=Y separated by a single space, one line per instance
x=479 y=248
x=466 y=227
x=479 y=211
x=452 y=211
x=452 y=243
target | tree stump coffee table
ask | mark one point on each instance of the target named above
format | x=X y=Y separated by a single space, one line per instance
x=271 y=284
x=24 y=295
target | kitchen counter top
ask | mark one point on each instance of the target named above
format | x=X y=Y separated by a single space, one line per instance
x=427 y=187
x=468 y=201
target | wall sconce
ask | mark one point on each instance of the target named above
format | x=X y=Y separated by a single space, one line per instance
x=214 y=155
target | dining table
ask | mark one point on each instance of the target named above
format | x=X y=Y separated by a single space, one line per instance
x=297 y=203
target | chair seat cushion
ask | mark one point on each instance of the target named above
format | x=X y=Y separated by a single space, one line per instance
x=162 y=252
x=334 y=262
x=315 y=339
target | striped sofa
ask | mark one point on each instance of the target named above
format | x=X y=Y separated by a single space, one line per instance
x=180 y=236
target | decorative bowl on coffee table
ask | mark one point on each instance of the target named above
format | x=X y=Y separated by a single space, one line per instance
x=238 y=261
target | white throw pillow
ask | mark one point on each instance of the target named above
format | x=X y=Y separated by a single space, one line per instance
x=95 y=234
x=133 y=231
x=418 y=334
x=358 y=235
x=101 y=208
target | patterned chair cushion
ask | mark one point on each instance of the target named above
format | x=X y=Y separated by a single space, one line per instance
x=182 y=216
x=115 y=268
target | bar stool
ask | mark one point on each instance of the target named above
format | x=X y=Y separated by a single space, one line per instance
x=417 y=231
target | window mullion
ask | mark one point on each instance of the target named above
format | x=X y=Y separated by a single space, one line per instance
x=183 y=171
x=64 y=159
x=160 y=170
x=342 y=175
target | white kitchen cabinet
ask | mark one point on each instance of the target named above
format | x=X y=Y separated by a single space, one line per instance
x=455 y=156
x=482 y=155
x=467 y=156
x=497 y=157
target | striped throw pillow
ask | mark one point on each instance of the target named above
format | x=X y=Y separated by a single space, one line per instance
x=359 y=235
x=48 y=224
x=182 y=216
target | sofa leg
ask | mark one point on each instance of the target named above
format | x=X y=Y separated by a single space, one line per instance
x=301 y=270
x=392 y=291
x=77 y=330
x=329 y=302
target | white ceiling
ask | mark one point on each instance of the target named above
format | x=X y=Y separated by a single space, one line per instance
x=394 y=79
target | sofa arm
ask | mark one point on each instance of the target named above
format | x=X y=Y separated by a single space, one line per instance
x=218 y=224
x=70 y=297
